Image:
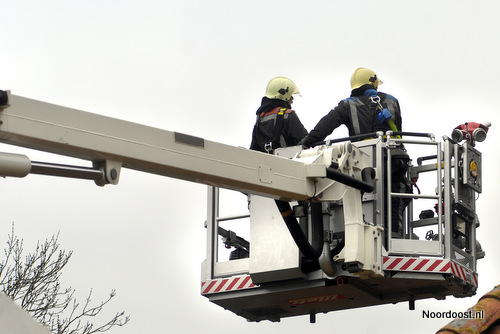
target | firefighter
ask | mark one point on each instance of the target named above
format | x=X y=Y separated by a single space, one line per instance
x=360 y=111
x=365 y=112
x=277 y=125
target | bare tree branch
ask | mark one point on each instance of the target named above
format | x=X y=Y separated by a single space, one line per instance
x=33 y=282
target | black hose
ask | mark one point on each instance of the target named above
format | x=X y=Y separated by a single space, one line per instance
x=335 y=175
x=308 y=266
x=4 y=98
x=317 y=237
x=339 y=247
x=311 y=252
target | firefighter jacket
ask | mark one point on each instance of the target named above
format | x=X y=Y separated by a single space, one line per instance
x=358 y=113
x=269 y=129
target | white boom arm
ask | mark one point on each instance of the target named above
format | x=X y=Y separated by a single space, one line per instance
x=111 y=143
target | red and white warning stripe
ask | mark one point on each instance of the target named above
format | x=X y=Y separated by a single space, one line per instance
x=464 y=273
x=227 y=284
x=416 y=264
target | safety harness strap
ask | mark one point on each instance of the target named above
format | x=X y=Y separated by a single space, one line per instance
x=278 y=127
x=391 y=107
x=354 y=115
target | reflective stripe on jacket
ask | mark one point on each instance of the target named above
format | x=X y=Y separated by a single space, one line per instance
x=264 y=130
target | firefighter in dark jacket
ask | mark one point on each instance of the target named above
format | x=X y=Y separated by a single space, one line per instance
x=360 y=111
x=367 y=111
x=277 y=125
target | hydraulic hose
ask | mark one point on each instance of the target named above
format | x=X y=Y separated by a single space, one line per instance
x=336 y=175
x=311 y=252
x=309 y=265
x=4 y=98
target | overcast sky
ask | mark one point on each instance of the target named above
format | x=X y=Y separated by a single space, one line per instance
x=201 y=67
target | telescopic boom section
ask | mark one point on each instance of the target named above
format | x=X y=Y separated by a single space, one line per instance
x=115 y=143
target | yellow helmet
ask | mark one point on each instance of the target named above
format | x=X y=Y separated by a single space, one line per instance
x=281 y=88
x=363 y=76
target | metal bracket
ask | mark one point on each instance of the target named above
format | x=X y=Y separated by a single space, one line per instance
x=111 y=172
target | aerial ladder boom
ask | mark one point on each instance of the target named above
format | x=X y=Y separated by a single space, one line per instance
x=112 y=143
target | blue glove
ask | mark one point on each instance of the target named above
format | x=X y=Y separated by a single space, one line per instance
x=384 y=116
